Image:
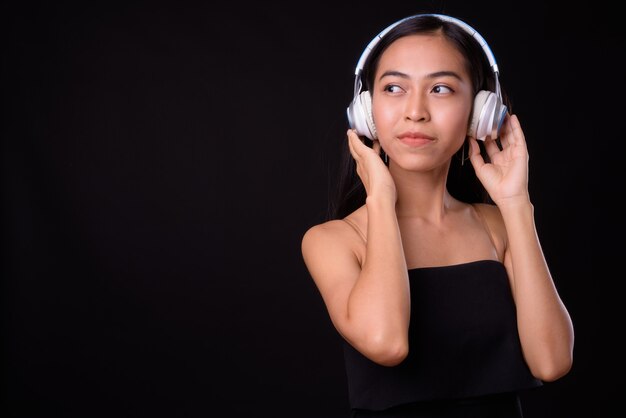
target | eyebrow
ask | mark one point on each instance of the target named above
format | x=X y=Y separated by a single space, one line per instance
x=431 y=75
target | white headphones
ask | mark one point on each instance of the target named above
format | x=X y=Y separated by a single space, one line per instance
x=487 y=115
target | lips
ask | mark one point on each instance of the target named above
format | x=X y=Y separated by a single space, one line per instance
x=415 y=139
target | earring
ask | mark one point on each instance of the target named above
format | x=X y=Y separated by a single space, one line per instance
x=463 y=153
x=384 y=156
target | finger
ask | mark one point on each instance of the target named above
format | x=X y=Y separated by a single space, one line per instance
x=356 y=141
x=376 y=147
x=505 y=133
x=474 y=154
x=351 y=143
x=516 y=134
x=491 y=146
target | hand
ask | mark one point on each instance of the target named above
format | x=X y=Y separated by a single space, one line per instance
x=506 y=177
x=371 y=169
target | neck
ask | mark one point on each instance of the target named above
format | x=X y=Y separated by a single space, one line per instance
x=422 y=194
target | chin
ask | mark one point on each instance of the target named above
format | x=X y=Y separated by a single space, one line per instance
x=420 y=162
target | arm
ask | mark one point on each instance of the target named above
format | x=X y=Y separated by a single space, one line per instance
x=545 y=327
x=368 y=302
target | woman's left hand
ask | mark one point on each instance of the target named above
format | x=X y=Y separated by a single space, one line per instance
x=505 y=177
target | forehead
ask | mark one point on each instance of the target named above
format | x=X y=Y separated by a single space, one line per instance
x=423 y=53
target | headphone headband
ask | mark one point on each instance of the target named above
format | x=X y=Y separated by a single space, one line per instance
x=458 y=22
x=465 y=26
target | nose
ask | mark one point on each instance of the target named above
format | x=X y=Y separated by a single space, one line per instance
x=416 y=107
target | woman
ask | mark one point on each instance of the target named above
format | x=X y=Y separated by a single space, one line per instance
x=446 y=304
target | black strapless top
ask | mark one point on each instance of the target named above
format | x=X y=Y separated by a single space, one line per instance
x=463 y=342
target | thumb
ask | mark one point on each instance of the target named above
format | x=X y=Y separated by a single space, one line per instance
x=376 y=146
x=474 y=154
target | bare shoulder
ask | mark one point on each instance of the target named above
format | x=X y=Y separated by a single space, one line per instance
x=492 y=216
x=334 y=247
x=346 y=232
x=490 y=212
x=328 y=234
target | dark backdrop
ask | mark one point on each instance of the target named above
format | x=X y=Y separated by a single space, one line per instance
x=160 y=163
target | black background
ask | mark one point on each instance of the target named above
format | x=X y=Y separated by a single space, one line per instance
x=160 y=163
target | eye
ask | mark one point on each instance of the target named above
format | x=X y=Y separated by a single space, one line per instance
x=393 y=88
x=441 y=89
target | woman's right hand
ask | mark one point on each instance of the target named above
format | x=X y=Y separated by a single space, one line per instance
x=371 y=169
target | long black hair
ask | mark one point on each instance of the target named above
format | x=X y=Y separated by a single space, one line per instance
x=462 y=182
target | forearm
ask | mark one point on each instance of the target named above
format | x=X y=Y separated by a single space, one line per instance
x=545 y=327
x=379 y=304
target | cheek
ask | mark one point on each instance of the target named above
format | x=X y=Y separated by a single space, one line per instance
x=386 y=116
x=454 y=119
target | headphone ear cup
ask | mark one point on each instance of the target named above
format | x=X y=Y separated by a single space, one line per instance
x=487 y=116
x=360 y=115
x=482 y=102
x=366 y=99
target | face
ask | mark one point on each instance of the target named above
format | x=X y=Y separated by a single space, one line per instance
x=421 y=101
